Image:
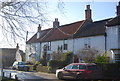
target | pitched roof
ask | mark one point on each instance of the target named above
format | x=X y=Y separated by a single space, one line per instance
x=34 y=38
x=76 y=30
x=92 y=29
x=113 y=22
x=62 y=32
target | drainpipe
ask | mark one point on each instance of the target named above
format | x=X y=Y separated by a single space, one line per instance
x=73 y=50
x=105 y=41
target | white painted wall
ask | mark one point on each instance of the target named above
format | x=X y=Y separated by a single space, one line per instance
x=112 y=40
x=112 y=37
x=33 y=48
x=97 y=42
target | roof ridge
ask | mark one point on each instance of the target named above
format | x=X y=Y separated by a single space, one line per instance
x=64 y=32
x=70 y=24
x=79 y=27
x=46 y=33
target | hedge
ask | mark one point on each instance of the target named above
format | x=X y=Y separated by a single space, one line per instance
x=110 y=69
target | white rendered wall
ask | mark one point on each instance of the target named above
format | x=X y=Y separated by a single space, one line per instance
x=96 y=42
x=112 y=37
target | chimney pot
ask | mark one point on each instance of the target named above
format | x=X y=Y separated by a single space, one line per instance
x=56 y=23
x=39 y=28
x=17 y=47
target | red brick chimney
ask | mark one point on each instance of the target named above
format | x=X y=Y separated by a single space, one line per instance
x=118 y=8
x=88 y=14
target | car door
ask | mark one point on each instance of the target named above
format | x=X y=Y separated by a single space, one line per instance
x=67 y=70
x=74 y=70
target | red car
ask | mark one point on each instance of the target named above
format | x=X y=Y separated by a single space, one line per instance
x=79 y=71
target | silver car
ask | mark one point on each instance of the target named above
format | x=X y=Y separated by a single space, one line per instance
x=20 y=66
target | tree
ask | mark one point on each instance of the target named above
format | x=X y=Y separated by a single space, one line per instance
x=17 y=17
x=87 y=54
x=102 y=58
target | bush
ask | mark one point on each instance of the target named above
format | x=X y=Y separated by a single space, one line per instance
x=41 y=68
x=54 y=64
x=43 y=62
x=102 y=58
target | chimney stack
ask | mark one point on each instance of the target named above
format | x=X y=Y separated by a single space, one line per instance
x=56 y=23
x=17 y=47
x=39 y=28
x=88 y=14
x=118 y=8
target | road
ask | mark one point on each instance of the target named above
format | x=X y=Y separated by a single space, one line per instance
x=30 y=76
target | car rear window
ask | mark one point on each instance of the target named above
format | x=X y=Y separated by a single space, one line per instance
x=92 y=67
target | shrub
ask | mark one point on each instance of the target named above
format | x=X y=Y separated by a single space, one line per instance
x=54 y=64
x=102 y=58
x=43 y=62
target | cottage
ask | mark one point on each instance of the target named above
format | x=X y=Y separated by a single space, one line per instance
x=103 y=35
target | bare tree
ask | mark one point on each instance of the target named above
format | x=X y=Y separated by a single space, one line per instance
x=57 y=55
x=87 y=54
x=17 y=17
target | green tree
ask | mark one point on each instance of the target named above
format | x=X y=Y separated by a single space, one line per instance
x=102 y=58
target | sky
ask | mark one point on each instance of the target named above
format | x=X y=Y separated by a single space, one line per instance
x=72 y=12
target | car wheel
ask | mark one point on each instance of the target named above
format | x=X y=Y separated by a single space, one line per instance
x=79 y=77
x=13 y=68
x=60 y=76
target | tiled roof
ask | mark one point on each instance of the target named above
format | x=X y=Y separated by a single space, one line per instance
x=113 y=22
x=63 y=32
x=92 y=29
x=34 y=39
x=76 y=30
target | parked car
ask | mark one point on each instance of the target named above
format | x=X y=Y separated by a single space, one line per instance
x=20 y=66
x=79 y=71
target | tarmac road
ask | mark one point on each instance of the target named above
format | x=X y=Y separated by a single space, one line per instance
x=30 y=76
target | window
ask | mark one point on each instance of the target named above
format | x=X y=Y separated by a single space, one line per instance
x=68 y=67
x=65 y=47
x=92 y=67
x=75 y=67
x=49 y=46
x=82 y=67
x=117 y=57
